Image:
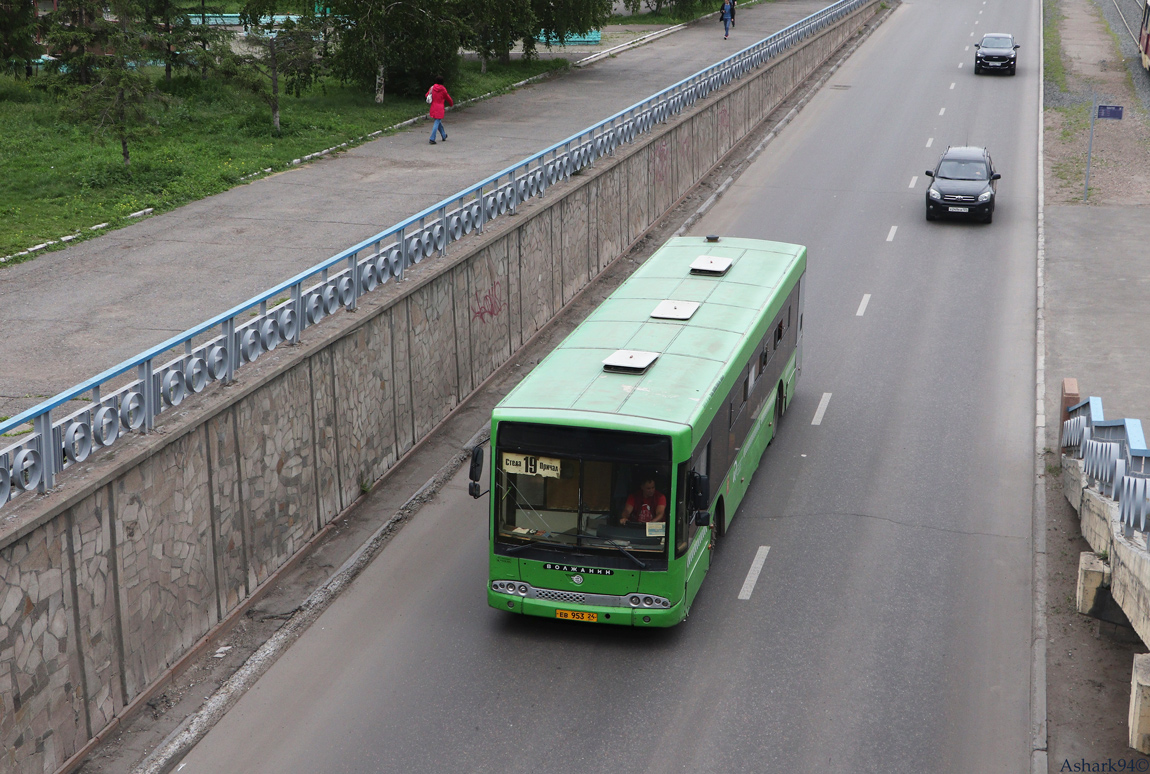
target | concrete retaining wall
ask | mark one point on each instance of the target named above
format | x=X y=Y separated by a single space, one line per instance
x=108 y=581
x=1128 y=558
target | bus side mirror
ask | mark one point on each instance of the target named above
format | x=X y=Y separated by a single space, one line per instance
x=701 y=491
x=476 y=472
x=702 y=518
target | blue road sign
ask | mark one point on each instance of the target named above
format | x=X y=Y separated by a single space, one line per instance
x=1110 y=111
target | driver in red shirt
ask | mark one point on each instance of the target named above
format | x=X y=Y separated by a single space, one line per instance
x=646 y=505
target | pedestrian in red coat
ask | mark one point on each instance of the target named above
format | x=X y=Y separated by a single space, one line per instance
x=437 y=96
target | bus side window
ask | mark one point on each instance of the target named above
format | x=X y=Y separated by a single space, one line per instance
x=779 y=334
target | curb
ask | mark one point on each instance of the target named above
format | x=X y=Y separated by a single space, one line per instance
x=648 y=38
x=1039 y=740
x=197 y=725
x=771 y=135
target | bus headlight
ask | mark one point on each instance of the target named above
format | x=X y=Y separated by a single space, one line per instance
x=522 y=589
x=634 y=600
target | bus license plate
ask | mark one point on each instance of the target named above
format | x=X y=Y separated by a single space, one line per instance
x=573 y=615
x=959 y=209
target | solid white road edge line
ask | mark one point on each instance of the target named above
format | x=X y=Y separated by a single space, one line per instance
x=822 y=409
x=753 y=573
x=862 y=306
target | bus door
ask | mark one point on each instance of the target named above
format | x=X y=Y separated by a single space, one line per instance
x=698 y=538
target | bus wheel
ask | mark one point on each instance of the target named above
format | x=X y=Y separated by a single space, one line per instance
x=720 y=520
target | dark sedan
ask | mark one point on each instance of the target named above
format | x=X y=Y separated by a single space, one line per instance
x=997 y=52
x=963 y=185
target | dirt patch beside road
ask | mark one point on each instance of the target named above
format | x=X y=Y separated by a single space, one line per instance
x=1088 y=663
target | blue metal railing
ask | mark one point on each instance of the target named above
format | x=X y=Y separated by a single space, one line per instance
x=335 y=283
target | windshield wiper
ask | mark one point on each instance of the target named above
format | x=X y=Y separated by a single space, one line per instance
x=533 y=544
x=625 y=552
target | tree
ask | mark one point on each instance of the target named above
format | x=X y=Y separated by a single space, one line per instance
x=281 y=54
x=77 y=35
x=555 y=20
x=18 y=35
x=181 y=36
x=115 y=95
x=402 y=43
x=493 y=27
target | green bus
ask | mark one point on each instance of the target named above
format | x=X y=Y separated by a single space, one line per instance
x=623 y=456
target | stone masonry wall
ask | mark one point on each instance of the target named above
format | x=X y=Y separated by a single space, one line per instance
x=112 y=578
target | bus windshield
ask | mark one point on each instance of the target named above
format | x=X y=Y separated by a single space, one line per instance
x=583 y=490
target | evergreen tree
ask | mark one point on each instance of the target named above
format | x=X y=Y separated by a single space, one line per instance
x=181 y=36
x=113 y=94
x=278 y=54
x=77 y=35
x=18 y=35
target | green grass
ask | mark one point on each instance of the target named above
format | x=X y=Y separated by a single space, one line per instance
x=1055 y=68
x=57 y=179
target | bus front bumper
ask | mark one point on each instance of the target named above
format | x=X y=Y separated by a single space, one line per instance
x=621 y=616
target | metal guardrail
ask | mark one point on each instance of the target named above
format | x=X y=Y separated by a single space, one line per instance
x=285 y=311
x=1114 y=459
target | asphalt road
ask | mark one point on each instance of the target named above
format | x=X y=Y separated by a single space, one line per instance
x=890 y=627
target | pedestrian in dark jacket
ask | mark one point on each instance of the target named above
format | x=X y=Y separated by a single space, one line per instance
x=734 y=7
x=437 y=96
x=726 y=14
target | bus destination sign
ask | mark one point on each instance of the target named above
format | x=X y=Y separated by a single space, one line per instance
x=531 y=466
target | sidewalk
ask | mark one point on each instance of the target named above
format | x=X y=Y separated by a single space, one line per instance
x=70 y=314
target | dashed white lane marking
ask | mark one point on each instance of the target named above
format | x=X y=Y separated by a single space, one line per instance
x=890 y=236
x=972 y=34
x=976 y=21
x=862 y=306
x=941 y=111
x=753 y=573
x=952 y=85
x=822 y=409
x=960 y=65
x=913 y=180
x=968 y=47
x=929 y=141
x=979 y=13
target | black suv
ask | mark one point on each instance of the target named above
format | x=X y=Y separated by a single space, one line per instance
x=964 y=184
x=997 y=51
